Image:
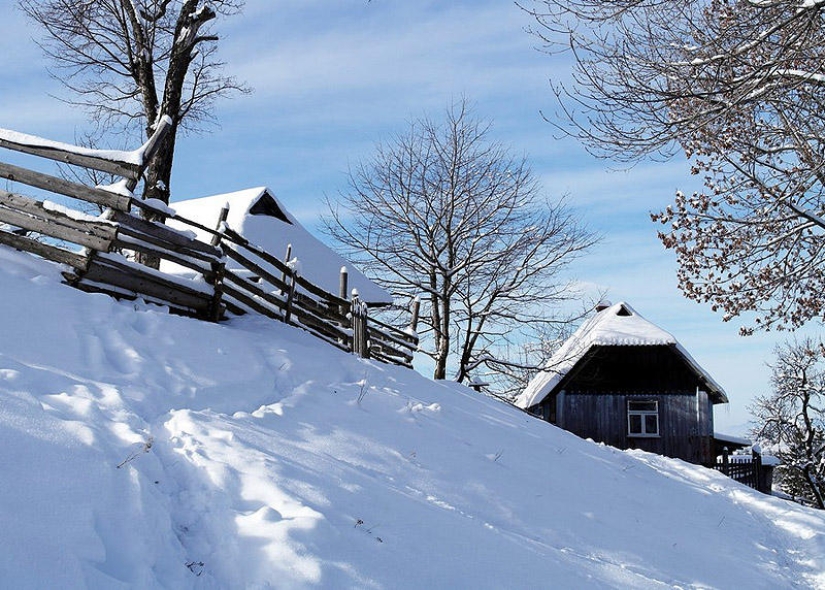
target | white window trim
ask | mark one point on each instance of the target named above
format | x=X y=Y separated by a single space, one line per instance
x=643 y=414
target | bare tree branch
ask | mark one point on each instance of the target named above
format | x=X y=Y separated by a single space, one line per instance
x=737 y=86
x=790 y=423
x=444 y=213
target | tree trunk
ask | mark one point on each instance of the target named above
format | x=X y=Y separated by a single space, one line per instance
x=156 y=186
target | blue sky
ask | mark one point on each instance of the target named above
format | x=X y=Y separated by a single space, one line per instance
x=332 y=77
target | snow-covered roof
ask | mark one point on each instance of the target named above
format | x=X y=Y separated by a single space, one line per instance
x=617 y=325
x=262 y=219
x=729 y=438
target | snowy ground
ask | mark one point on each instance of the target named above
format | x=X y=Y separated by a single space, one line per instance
x=141 y=450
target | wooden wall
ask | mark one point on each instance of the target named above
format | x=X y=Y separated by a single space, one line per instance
x=592 y=401
x=685 y=423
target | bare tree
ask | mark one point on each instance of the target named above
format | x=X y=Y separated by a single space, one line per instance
x=790 y=422
x=737 y=86
x=521 y=360
x=445 y=213
x=129 y=62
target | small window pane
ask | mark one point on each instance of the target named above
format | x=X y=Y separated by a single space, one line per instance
x=643 y=406
x=635 y=424
x=651 y=424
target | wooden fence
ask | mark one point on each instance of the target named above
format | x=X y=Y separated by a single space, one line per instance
x=746 y=469
x=99 y=253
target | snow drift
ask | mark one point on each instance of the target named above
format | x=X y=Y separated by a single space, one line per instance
x=142 y=450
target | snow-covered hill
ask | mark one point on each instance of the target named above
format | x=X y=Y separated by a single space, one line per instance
x=141 y=450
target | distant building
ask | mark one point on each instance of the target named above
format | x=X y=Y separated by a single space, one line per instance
x=623 y=381
x=262 y=219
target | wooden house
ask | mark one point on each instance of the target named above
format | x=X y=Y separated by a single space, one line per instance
x=261 y=218
x=623 y=381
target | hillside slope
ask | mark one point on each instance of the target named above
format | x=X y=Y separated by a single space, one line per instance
x=142 y=450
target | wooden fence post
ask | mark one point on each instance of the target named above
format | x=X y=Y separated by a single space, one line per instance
x=355 y=321
x=287 y=256
x=162 y=129
x=290 y=296
x=416 y=308
x=218 y=268
x=343 y=281
x=756 y=460
x=360 y=337
x=216 y=238
x=215 y=306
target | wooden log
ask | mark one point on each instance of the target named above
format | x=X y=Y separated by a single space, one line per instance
x=125 y=276
x=319 y=308
x=416 y=309
x=238 y=239
x=131 y=235
x=343 y=281
x=232 y=307
x=148 y=206
x=136 y=245
x=218 y=237
x=290 y=297
x=64 y=187
x=216 y=307
x=161 y=234
x=323 y=336
x=299 y=316
x=381 y=355
x=39 y=209
x=360 y=333
x=287 y=258
x=162 y=129
x=255 y=290
x=55 y=230
x=257 y=269
x=249 y=301
x=388 y=342
x=53 y=253
x=395 y=332
x=218 y=269
x=307 y=318
x=116 y=167
x=32 y=215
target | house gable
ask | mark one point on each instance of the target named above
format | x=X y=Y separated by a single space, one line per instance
x=615 y=327
x=268 y=206
x=261 y=218
x=625 y=382
x=632 y=370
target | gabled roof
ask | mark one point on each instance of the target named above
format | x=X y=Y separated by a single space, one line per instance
x=259 y=217
x=617 y=325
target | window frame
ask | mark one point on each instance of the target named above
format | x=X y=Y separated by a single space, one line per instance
x=642 y=414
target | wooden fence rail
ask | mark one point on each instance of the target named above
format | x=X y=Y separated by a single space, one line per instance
x=746 y=469
x=98 y=253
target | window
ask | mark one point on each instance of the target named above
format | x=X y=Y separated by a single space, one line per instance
x=642 y=418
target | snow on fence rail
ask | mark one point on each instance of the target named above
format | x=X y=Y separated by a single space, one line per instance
x=96 y=250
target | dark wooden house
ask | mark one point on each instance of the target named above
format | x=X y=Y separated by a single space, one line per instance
x=623 y=381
